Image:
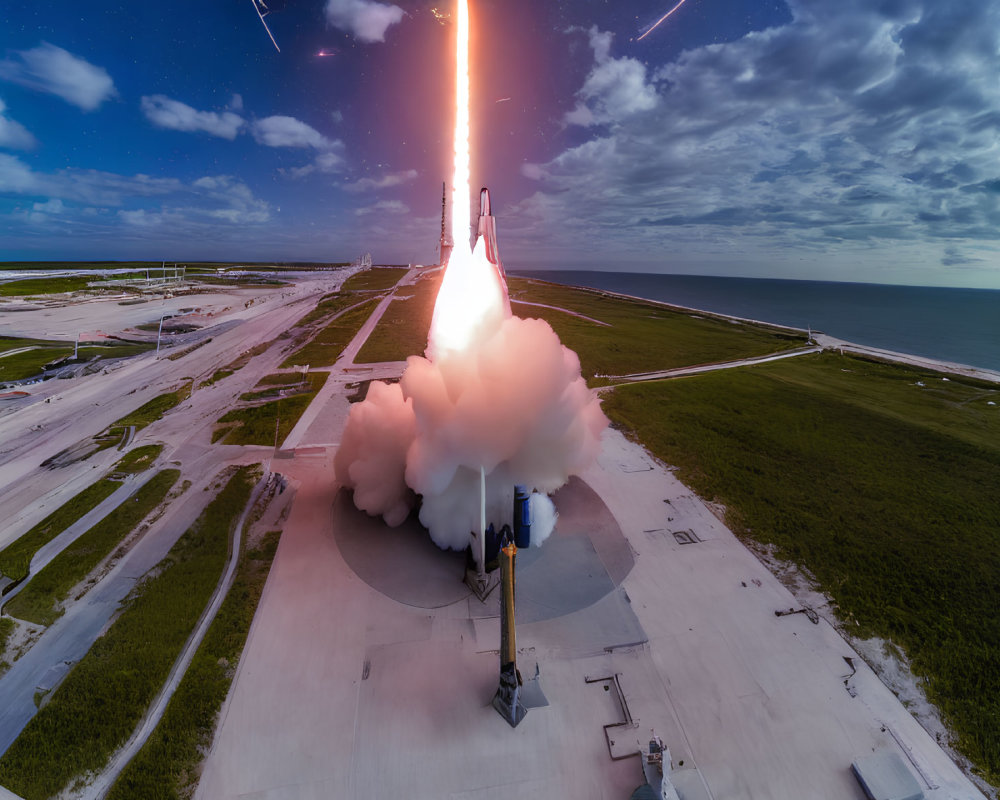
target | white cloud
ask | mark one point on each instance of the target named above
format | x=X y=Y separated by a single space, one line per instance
x=281 y=131
x=236 y=104
x=615 y=89
x=383 y=207
x=13 y=134
x=175 y=115
x=365 y=19
x=140 y=218
x=854 y=135
x=51 y=69
x=383 y=182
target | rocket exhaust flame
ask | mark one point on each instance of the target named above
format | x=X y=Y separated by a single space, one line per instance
x=495 y=394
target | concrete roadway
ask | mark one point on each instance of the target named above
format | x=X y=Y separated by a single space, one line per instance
x=186 y=433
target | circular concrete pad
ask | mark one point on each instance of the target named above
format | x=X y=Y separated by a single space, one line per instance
x=584 y=560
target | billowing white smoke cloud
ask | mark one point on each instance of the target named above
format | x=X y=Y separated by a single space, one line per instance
x=513 y=403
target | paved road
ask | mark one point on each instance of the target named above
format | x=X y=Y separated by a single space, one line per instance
x=681 y=371
x=55 y=546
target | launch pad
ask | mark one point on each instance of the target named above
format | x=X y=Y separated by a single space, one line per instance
x=583 y=562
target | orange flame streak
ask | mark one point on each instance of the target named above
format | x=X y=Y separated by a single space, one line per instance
x=460 y=214
x=471 y=303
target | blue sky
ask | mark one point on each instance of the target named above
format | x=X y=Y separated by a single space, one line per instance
x=853 y=140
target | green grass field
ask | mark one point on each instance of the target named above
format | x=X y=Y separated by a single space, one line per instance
x=167 y=765
x=36 y=286
x=153 y=409
x=21 y=366
x=41 y=599
x=121 y=674
x=402 y=331
x=256 y=424
x=139 y=459
x=15 y=559
x=375 y=280
x=884 y=490
x=326 y=346
x=643 y=336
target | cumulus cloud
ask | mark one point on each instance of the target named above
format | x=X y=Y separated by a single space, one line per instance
x=366 y=20
x=384 y=182
x=282 y=131
x=175 y=115
x=857 y=128
x=12 y=133
x=383 y=207
x=51 y=69
x=75 y=197
x=615 y=89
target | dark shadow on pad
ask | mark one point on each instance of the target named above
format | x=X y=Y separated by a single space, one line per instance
x=583 y=561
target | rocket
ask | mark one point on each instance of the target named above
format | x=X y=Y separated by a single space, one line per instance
x=487 y=231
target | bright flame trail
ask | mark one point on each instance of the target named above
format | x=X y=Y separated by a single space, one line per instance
x=496 y=394
x=470 y=303
x=661 y=19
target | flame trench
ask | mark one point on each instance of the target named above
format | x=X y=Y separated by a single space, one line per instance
x=495 y=394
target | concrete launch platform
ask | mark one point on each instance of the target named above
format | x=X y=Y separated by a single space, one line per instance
x=370 y=668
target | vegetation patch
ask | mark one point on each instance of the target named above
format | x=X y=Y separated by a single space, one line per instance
x=167 y=765
x=15 y=559
x=378 y=279
x=402 y=331
x=152 y=410
x=236 y=365
x=6 y=629
x=123 y=671
x=883 y=488
x=19 y=366
x=269 y=423
x=643 y=337
x=40 y=601
x=327 y=345
x=35 y=286
x=140 y=459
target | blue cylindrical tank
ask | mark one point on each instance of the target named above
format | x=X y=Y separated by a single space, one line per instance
x=522 y=516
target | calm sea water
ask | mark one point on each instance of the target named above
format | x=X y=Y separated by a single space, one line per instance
x=960 y=325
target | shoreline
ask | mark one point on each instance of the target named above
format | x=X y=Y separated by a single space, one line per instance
x=825 y=341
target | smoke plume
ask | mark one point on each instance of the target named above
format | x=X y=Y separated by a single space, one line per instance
x=502 y=394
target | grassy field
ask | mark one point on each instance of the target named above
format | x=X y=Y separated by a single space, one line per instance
x=234 y=366
x=15 y=559
x=643 y=336
x=329 y=305
x=139 y=459
x=36 y=286
x=326 y=346
x=402 y=331
x=123 y=671
x=20 y=366
x=152 y=410
x=377 y=280
x=167 y=765
x=256 y=424
x=6 y=629
x=40 y=601
x=886 y=491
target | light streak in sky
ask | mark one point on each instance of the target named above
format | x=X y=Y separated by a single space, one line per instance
x=325 y=53
x=461 y=215
x=656 y=24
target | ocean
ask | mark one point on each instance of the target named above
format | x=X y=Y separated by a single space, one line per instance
x=959 y=325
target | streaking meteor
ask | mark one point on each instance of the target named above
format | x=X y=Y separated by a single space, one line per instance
x=656 y=24
x=262 y=11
